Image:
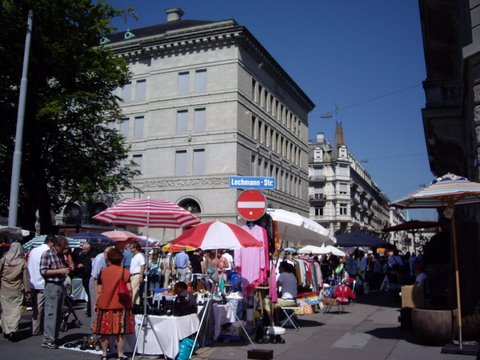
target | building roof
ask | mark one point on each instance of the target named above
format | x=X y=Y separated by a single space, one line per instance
x=158 y=29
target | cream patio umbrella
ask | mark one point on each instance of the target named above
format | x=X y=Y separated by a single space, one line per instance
x=446 y=192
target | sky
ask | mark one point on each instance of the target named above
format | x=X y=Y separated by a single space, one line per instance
x=361 y=61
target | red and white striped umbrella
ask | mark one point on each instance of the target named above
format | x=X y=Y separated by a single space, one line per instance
x=148 y=213
x=121 y=235
x=216 y=235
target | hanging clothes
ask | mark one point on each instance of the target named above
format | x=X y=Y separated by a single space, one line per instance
x=252 y=263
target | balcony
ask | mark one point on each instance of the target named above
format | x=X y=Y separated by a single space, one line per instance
x=317 y=178
x=316 y=198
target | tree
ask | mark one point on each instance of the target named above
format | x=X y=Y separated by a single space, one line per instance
x=69 y=154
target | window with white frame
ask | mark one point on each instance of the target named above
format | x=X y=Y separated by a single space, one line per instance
x=318 y=211
x=124 y=127
x=181 y=163
x=138 y=161
x=343 y=170
x=183 y=83
x=198 y=161
x=140 y=90
x=200 y=120
x=111 y=125
x=182 y=122
x=342 y=209
x=201 y=80
x=343 y=188
x=138 y=127
x=318 y=154
x=127 y=93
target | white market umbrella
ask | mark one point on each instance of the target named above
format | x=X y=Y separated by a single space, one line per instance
x=298 y=228
x=321 y=250
x=446 y=192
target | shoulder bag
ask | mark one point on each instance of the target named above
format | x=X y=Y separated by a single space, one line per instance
x=122 y=291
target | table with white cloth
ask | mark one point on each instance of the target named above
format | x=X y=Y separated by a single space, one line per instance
x=169 y=329
x=78 y=292
x=223 y=314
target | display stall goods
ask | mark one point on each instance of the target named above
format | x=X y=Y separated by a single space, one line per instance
x=148 y=213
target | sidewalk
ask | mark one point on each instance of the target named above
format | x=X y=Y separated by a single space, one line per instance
x=365 y=332
x=369 y=330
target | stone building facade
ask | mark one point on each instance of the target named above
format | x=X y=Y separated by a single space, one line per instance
x=451 y=118
x=342 y=194
x=207 y=101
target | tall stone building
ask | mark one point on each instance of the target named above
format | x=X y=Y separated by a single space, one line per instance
x=342 y=194
x=207 y=101
x=451 y=119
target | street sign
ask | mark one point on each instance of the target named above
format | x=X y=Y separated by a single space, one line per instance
x=251 y=205
x=253 y=182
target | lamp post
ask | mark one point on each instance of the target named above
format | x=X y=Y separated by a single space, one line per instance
x=17 y=154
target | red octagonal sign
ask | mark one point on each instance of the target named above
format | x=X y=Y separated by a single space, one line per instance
x=251 y=205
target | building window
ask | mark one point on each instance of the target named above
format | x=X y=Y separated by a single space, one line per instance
x=181 y=163
x=343 y=170
x=318 y=211
x=182 y=122
x=343 y=188
x=317 y=154
x=138 y=127
x=199 y=120
x=140 y=90
x=183 y=83
x=111 y=125
x=124 y=125
x=138 y=161
x=253 y=167
x=342 y=152
x=201 y=80
x=127 y=93
x=343 y=209
x=190 y=205
x=198 y=161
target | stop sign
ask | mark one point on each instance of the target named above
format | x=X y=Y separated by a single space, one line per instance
x=251 y=205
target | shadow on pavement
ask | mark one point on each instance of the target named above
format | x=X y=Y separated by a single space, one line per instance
x=382 y=299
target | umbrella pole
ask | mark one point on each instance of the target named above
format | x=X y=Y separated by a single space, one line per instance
x=457 y=283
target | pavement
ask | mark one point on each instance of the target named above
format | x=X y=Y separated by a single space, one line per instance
x=369 y=329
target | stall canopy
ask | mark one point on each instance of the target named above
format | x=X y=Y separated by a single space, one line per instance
x=321 y=250
x=297 y=228
x=361 y=239
x=40 y=239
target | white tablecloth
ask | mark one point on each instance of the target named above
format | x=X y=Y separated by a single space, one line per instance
x=223 y=314
x=169 y=329
x=78 y=292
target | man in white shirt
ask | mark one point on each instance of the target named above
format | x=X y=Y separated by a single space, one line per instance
x=37 y=284
x=137 y=268
x=228 y=270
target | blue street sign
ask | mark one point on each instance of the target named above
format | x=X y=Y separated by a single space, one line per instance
x=253 y=182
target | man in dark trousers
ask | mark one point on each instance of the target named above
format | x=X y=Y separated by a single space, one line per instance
x=54 y=270
x=84 y=268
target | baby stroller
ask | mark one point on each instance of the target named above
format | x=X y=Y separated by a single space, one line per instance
x=67 y=311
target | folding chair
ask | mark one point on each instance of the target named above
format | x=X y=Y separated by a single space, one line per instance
x=328 y=303
x=290 y=312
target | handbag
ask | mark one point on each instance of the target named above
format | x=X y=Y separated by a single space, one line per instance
x=123 y=292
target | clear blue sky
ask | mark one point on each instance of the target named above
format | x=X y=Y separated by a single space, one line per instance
x=364 y=56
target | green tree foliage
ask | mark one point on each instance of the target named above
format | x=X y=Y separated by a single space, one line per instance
x=69 y=154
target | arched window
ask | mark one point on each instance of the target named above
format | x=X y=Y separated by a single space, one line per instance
x=72 y=215
x=190 y=205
